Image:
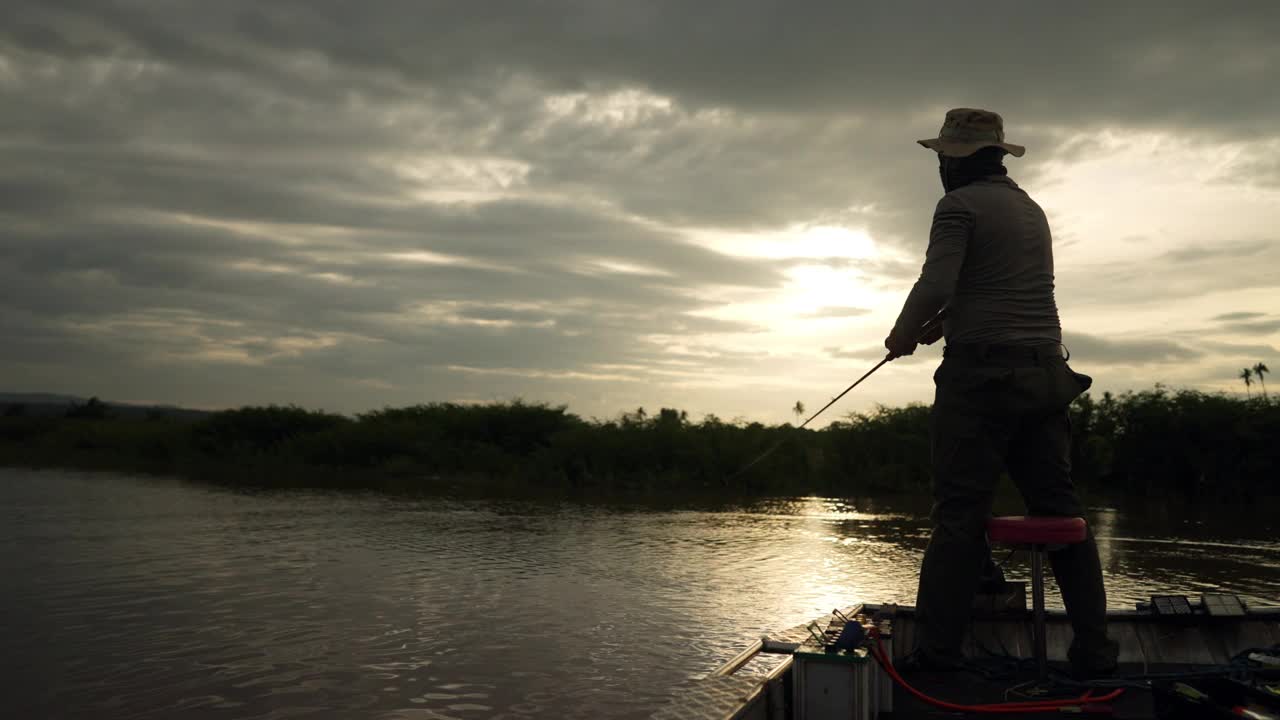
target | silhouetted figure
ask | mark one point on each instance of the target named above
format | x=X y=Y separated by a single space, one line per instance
x=1002 y=389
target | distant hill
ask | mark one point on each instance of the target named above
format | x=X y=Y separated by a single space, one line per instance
x=39 y=399
x=54 y=405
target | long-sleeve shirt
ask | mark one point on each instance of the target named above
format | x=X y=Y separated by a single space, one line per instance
x=990 y=263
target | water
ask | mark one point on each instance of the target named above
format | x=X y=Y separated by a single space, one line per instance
x=143 y=597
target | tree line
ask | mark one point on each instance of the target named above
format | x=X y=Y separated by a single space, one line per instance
x=1155 y=442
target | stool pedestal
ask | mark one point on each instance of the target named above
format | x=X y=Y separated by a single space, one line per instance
x=1037 y=609
x=1037 y=534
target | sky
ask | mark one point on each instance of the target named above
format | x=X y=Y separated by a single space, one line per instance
x=717 y=206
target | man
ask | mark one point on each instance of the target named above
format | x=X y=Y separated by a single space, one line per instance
x=1002 y=389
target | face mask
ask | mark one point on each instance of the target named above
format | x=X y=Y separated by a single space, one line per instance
x=943 y=167
x=958 y=172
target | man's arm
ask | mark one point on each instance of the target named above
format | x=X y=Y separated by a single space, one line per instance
x=948 y=240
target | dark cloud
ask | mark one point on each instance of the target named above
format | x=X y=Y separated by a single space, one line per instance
x=1174 y=275
x=218 y=202
x=1143 y=59
x=1255 y=327
x=1237 y=316
x=819 y=118
x=1240 y=349
x=1199 y=254
x=1086 y=349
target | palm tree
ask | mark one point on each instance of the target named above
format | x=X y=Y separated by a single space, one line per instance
x=1247 y=375
x=798 y=410
x=1260 y=369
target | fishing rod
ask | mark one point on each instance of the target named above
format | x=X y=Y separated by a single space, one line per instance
x=925 y=331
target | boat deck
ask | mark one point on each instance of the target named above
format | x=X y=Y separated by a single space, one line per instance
x=968 y=688
x=1149 y=645
x=1000 y=647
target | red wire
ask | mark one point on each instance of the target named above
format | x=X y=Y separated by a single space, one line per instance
x=1029 y=706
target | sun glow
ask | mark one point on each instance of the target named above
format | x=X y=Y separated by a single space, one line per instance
x=812 y=242
x=825 y=285
x=815 y=287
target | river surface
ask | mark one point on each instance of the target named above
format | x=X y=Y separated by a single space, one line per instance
x=151 y=597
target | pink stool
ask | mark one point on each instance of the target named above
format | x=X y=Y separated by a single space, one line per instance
x=1037 y=534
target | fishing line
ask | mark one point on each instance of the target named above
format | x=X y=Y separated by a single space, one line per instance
x=925 y=330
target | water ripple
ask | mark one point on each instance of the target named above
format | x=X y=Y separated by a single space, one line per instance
x=154 y=598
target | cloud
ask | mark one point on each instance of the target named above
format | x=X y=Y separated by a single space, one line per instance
x=873 y=353
x=1241 y=349
x=837 y=312
x=1258 y=167
x=1257 y=327
x=1122 y=351
x=639 y=105
x=1143 y=59
x=1175 y=275
x=1085 y=349
x=317 y=202
x=862 y=353
x=1237 y=316
x=1213 y=252
x=1245 y=324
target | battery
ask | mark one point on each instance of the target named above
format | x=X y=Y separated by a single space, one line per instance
x=829 y=685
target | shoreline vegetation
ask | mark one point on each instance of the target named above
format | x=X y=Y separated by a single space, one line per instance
x=1156 y=443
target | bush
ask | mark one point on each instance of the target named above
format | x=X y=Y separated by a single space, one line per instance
x=1186 y=443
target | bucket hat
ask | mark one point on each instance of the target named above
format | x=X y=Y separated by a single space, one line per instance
x=968 y=130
